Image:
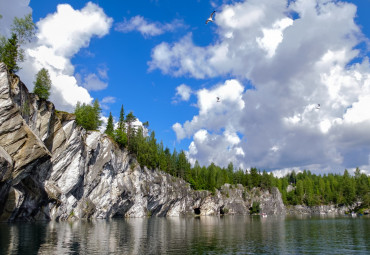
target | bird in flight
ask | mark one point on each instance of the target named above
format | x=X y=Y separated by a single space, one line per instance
x=218 y=99
x=318 y=106
x=210 y=19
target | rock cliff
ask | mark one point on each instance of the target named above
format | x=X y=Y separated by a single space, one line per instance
x=50 y=168
x=320 y=209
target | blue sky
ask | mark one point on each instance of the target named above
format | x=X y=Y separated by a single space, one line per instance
x=270 y=62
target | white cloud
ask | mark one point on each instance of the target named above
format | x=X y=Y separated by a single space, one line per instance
x=214 y=114
x=93 y=83
x=180 y=133
x=59 y=37
x=103 y=72
x=293 y=65
x=104 y=121
x=108 y=100
x=274 y=36
x=215 y=148
x=181 y=58
x=183 y=93
x=146 y=28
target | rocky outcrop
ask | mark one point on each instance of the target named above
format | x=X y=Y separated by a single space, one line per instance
x=53 y=169
x=321 y=209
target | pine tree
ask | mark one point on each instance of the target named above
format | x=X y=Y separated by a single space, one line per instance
x=348 y=188
x=10 y=55
x=42 y=84
x=162 y=158
x=153 y=150
x=183 y=166
x=121 y=121
x=109 y=129
x=96 y=116
x=130 y=118
x=23 y=30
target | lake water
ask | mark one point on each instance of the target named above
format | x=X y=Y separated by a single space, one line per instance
x=202 y=235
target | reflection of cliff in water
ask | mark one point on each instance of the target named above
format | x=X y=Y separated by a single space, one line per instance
x=137 y=235
x=198 y=235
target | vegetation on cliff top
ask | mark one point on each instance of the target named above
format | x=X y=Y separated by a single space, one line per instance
x=304 y=187
x=11 y=51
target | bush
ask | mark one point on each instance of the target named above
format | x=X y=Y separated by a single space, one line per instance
x=255 y=209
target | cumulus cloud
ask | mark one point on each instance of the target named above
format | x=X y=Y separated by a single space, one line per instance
x=146 y=28
x=214 y=114
x=294 y=56
x=59 y=37
x=181 y=58
x=225 y=146
x=183 y=93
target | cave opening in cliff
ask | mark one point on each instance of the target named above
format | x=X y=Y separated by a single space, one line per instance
x=197 y=211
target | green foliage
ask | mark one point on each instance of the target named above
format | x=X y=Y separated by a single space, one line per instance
x=88 y=116
x=97 y=111
x=255 y=209
x=42 y=84
x=311 y=189
x=11 y=53
x=120 y=137
x=26 y=110
x=3 y=42
x=110 y=129
x=24 y=28
x=308 y=188
x=130 y=118
x=121 y=121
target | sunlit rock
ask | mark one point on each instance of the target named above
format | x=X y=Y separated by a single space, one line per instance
x=52 y=169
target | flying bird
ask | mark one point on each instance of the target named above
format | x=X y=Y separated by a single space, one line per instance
x=318 y=106
x=210 y=17
x=218 y=99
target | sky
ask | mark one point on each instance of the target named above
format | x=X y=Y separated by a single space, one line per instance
x=270 y=63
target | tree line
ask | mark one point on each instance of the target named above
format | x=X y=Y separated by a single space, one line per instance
x=303 y=188
x=311 y=189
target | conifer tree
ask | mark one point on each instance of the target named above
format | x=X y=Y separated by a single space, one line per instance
x=153 y=152
x=10 y=55
x=130 y=118
x=97 y=111
x=121 y=121
x=120 y=135
x=109 y=129
x=23 y=30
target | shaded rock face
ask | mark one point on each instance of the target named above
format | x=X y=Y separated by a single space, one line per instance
x=52 y=169
x=320 y=210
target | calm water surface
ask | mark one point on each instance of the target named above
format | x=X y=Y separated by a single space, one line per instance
x=203 y=235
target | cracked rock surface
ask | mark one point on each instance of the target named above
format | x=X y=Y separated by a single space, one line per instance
x=52 y=169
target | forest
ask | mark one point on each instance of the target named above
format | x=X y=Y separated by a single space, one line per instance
x=302 y=187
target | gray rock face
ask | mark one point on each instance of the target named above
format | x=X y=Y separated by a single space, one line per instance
x=319 y=210
x=53 y=169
